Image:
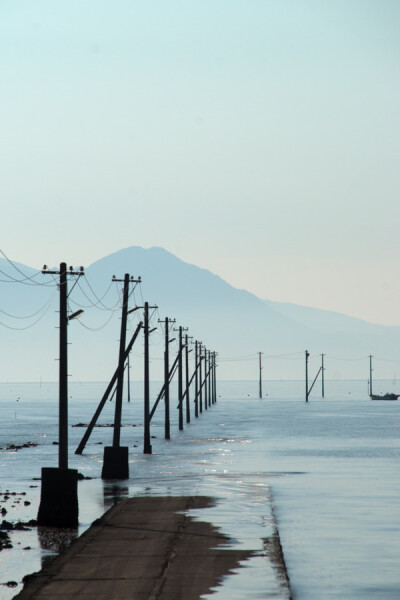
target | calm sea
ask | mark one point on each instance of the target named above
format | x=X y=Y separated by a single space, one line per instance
x=326 y=474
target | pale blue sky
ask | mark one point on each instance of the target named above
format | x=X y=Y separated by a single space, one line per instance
x=256 y=138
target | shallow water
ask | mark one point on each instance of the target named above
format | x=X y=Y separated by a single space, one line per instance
x=330 y=467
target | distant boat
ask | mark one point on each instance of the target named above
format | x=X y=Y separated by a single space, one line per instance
x=384 y=396
x=387 y=396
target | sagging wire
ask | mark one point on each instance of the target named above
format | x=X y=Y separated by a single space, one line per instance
x=25 y=279
x=114 y=308
x=100 y=300
x=386 y=359
x=345 y=359
x=44 y=311
x=97 y=328
x=33 y=314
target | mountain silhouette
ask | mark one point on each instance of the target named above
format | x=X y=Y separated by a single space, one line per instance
x=230 y=321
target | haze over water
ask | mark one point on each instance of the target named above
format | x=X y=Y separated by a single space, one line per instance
x=327 y=472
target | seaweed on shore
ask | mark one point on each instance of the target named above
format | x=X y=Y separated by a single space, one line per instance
x=16 y=447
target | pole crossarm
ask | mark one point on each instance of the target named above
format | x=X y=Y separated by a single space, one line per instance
x=96 y=415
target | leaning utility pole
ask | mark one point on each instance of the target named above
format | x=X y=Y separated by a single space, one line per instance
x=128 y=368
x=59 y=491
x=308 y=390
x=106 y=394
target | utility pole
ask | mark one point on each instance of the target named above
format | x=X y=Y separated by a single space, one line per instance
x=260 y=379
x=323 y=376
x=196 y=381
x=147 y=449
x=167 y=322
x=307 y=392
x=215 y=377
x=209 y=378
x=200 y=378
x=370 y=374
x=59 y=491
x=116 y=457
x=212 y=377
x=167 y=433
x=121 y=365
x=205 y=380
x=180 y=374
x=180 y=391
x=187 y=378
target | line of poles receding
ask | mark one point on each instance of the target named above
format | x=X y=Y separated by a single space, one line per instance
x=59 y=498
x=321 y=371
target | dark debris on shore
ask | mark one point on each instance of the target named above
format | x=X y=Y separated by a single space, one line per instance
x=16 y=447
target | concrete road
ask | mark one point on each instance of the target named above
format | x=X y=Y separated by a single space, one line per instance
x=145 y=548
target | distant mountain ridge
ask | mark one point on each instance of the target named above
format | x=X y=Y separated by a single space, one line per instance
x=233 y=322
x=325 y=321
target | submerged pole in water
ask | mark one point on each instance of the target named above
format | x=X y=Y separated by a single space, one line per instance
x=147 y=445
x=370 y=374
x=167 y=433
x=205 y=379
x=196 y=384
x=187 y=378
x=260 y=377
x=200 y=379
x=323 y=376
x=215 y=376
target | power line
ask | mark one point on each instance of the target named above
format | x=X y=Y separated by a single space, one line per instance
x=25 y=279
x=92 y=304
x=33 y=314
x=100 y=327
x=44 y=309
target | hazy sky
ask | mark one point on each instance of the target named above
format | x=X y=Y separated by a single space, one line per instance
x=256 y=138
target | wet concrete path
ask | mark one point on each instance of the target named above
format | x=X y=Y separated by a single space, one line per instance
x=144 y=548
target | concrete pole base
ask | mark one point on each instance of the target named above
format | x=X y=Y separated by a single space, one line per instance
x=59 y=498
x=115 y=463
